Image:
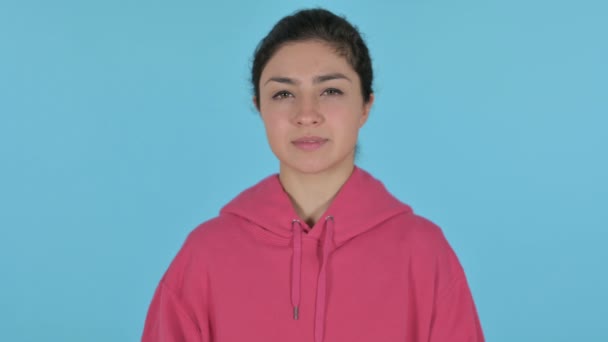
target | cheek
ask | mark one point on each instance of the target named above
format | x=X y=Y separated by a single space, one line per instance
x=344 y=118
x=346 y=106
x=275 y=123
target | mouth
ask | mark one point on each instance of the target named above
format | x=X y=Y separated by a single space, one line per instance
x=309 y=143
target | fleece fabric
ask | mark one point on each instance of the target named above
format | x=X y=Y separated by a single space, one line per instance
x=369 y=270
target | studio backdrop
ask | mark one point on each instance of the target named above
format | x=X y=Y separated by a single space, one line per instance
x=125 y=124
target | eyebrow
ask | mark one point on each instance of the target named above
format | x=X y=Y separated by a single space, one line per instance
x=316 y=80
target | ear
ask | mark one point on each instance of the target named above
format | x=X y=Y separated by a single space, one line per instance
x=366 y=109
x=255 y=103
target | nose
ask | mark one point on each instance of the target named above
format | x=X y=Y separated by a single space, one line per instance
x=307 y=112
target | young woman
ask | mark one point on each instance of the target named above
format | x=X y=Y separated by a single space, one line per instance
x=321 y=251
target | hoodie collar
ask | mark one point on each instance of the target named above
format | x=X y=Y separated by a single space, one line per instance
x=361 y=204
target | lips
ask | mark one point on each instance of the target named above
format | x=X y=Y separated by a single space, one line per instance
x=309 y=143
x=309 y=140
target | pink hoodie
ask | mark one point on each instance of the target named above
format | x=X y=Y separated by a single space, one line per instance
x=369 y=270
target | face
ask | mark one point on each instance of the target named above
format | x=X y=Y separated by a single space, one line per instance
x=312 y=107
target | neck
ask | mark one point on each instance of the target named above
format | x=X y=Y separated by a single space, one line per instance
x=312 y=193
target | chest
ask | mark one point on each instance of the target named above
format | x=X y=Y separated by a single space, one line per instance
x=368 y=296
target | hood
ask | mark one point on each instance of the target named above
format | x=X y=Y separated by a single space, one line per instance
x=361 y=204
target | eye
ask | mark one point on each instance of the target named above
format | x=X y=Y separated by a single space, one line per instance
x=282 y=95
x=333 y=91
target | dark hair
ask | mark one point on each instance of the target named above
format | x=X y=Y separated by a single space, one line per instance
x=315 y=24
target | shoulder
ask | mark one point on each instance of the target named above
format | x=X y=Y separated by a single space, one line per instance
x=212 y=232
x=201 y=246
x=420 y=231
x=424 y=242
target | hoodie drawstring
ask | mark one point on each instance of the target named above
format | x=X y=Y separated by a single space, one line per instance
x=322 y=283
x=296 y=267
x=322 y=279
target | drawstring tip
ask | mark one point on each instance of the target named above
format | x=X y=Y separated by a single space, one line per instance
x=296 y=313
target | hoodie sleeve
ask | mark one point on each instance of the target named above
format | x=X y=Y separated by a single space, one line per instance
x=179 y=309
x=455 y=316
x=168 y=320
x=452 y=316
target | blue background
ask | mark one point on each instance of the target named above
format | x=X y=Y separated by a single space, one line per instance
x=124 y=124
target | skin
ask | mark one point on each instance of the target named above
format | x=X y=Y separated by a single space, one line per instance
x=307 y=89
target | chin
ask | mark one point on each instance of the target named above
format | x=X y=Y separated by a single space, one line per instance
x=311 y=166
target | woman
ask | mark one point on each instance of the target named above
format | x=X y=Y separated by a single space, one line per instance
x=321 y=251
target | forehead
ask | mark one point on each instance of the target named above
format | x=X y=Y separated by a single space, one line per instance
x=306 y=59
